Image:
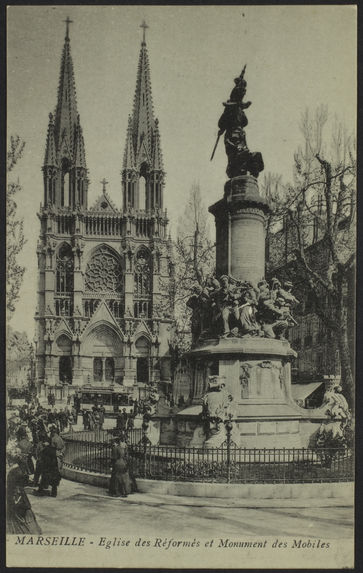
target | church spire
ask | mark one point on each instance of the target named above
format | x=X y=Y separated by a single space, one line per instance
x=143 y=111
x=66 y=110
x=66 y=184
x=142 y=156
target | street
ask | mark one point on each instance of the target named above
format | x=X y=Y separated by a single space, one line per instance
x=78 y=508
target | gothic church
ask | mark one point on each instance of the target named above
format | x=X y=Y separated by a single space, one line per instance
x=105 y=312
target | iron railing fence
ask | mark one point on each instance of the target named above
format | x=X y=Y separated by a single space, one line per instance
x=225 y=464
x=102 y=436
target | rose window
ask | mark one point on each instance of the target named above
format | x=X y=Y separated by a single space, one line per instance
x=103 y=273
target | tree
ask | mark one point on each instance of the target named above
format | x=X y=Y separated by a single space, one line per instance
x=19 y=358
x=14 y=230
x=319 y=216
x=194 y=254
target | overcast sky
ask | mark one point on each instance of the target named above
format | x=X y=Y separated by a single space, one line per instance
x=296 y=56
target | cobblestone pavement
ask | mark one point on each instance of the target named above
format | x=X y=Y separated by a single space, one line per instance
x=82 y=509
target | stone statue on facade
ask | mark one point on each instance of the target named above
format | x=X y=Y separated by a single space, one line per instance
x=232 y=123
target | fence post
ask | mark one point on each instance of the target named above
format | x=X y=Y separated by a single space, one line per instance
x=145 y=439
x=228 y=424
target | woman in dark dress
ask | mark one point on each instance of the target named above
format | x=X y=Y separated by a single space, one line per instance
x=120 y=484
x=19 y=515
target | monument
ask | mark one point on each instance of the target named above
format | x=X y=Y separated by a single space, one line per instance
x=240 y=355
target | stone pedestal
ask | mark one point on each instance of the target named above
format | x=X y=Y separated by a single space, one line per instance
x=240 y=230
x=257 y=374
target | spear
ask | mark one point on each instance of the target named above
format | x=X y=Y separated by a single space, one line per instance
x=215 y=147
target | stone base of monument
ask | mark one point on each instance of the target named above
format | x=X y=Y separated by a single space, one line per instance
x=256 y=374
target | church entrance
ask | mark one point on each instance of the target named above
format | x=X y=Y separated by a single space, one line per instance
x=104 y=348
x=103 y=369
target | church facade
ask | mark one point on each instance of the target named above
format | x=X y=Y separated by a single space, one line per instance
x=105 y=311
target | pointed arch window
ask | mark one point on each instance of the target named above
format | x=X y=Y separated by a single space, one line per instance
x=65 y=184
x=143 y=284
x=142 y=192
x=142 y=360
x=65 y=369
x=64 y=270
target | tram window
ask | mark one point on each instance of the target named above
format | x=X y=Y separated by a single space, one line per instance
x=86 y=398
x=122 y=399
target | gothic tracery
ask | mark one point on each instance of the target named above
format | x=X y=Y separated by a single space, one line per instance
x=103 y=272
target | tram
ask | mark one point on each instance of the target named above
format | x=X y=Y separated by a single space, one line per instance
x=110 y=398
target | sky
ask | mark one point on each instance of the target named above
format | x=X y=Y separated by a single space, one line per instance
x=297 y=57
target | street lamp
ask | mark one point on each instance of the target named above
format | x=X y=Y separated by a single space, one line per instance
x=229 y=426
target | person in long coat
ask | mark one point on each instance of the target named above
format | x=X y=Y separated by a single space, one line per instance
x=85 y=419
x=91 y=420
x=57 y=442
x=102 y=412
x=26 y=448
x=38 y=449
x=19 y=515
x=120 y=484
x=50 y=474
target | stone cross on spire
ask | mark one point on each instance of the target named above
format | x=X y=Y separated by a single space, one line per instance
x=104 y=183
x=67 y=21
x=144 y=26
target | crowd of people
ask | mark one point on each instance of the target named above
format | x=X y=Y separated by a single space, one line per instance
x=35 y=452
x=93 y=419
x=34 y=444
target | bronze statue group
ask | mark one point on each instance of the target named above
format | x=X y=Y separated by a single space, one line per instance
x=228 y=307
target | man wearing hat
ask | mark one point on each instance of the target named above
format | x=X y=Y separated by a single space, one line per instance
x=50 y=474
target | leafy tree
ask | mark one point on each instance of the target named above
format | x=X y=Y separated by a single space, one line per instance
x=14 y=229
x=194 y=254
x=319 y=218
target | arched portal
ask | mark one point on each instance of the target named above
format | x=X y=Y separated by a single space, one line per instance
x=103 y=353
